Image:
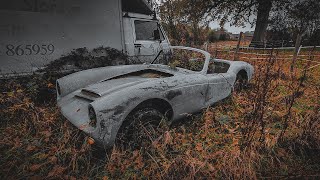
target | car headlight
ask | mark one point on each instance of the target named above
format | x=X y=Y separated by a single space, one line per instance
x=92 y=117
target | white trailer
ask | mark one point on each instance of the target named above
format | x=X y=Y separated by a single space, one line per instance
x=36 y=32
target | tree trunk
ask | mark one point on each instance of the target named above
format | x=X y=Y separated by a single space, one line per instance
x=173 y=31
x=236 y=54
x=195 y=33
x=264 y=8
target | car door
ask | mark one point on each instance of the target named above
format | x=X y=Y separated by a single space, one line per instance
x=147 y=46
x=219 y=87
x=189 y=95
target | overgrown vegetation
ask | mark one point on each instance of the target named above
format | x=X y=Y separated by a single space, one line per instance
x=270 y=130
x=82 y=58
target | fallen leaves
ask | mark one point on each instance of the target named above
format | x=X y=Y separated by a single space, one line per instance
x=199 y=147
x=31 y=147
x=57 y=171
x=35 y=167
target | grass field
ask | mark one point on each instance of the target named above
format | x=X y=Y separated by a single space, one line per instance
x=269 y=130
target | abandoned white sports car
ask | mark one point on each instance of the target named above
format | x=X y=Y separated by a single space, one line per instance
x=99 y=100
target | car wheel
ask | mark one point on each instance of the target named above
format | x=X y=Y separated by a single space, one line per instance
x=241 y=83
x=140 y=128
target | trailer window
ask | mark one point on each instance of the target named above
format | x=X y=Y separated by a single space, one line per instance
x=145 y=30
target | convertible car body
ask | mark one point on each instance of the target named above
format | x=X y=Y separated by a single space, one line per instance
x=98 y=101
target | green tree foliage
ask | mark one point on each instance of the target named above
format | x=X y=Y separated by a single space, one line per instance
x=313 y=38
x=299 y=17
x=223 y=37
x=212 y=36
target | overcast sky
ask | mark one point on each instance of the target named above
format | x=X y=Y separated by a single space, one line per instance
x=232 y=29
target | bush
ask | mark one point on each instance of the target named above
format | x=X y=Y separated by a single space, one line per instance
x=82 y=58
x=212 y=36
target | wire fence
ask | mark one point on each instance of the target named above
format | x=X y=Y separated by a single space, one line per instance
x=243 y=51
x=271 y=44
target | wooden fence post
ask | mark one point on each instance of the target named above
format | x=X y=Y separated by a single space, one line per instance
x=296 y=51
x=236 y=54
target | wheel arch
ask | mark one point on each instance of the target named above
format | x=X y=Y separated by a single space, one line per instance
x=160 y=104
x=243 y=74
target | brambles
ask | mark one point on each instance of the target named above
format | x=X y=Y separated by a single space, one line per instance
x=82 y=58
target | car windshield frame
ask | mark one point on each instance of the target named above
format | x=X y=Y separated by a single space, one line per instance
x=205 y=53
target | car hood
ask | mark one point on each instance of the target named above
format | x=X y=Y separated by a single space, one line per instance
x=108 y=86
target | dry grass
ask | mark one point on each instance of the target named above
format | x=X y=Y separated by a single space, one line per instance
x=270 y=130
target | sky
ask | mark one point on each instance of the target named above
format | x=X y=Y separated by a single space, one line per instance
x=232 y=29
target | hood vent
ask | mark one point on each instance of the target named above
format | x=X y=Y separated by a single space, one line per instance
x=87 y=95
x=90 y=93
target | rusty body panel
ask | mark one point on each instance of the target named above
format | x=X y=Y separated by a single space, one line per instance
x=113 y=92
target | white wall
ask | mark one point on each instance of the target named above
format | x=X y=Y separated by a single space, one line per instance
x=56 y=26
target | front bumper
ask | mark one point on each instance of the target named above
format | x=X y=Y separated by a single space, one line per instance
x=76 y=111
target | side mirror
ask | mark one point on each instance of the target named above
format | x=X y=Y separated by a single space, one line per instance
x=156 y=34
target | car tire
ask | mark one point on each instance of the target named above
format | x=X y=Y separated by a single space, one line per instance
x=140 y=128
x=241 y=83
